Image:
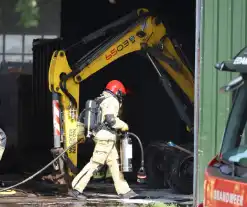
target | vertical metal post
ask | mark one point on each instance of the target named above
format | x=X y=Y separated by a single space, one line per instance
x=56 y=120
x=56 y=129
x=197 y=101
x=59 y=165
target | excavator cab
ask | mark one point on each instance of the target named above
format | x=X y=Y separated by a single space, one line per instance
x=225 y=177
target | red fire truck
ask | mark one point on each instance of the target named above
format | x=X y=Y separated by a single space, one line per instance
x=225 y=183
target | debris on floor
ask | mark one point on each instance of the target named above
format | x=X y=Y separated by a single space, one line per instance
x=40 y=193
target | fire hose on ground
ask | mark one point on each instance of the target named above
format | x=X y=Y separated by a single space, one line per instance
x=42 y=169
x=141 y=174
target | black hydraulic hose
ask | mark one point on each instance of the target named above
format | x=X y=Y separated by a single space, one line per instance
x=133 y=16
x=80 y=117
x=141 y=147
x=42 y=169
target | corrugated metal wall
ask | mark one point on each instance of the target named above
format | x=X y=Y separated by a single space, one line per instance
x=41 y=99
x=223 y=34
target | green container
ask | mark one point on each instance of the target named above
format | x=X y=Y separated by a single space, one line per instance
x=223 y=31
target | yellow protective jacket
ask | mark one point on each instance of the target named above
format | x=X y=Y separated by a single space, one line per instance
x=110 y=108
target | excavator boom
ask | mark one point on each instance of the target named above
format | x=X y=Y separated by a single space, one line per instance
x=143 y=32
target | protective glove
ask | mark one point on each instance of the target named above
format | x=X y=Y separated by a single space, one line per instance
x=125 y=128
x=81 y=131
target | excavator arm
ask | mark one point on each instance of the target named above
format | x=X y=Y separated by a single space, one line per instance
x=144 y=32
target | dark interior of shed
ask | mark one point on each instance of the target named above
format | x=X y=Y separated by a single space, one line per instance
x=148 y=109
x=155 y=117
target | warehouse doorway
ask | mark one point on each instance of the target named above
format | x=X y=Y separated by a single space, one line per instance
x=155 y=119
x=135 y=71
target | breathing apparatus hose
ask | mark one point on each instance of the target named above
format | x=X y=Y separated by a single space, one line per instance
x=42 y=169
x=141 y=147
x=141 y=174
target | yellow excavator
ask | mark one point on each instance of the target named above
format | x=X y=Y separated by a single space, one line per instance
x=140 y=31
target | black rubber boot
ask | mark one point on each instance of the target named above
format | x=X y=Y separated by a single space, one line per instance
x=128 y=195
x=76 y=194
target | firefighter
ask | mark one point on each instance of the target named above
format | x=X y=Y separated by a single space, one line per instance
x=104 y=174
x=105 y=151
x=3 y=139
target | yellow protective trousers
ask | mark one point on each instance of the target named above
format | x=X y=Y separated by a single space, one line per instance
x=105 y=152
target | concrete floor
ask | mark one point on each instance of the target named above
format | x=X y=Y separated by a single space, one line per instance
x=37 y=193
x=65 y=202
x=98 y=195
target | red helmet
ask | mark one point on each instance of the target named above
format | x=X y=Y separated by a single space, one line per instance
x=117 y=88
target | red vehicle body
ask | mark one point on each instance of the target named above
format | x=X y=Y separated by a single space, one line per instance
x=223 y=192
x=225 y=183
